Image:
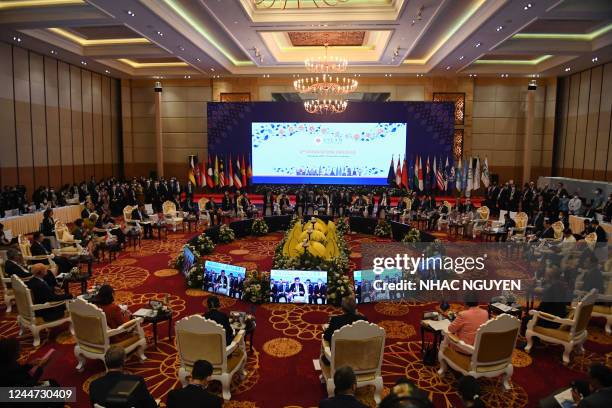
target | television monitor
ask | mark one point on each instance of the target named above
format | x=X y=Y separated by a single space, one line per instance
x=224 y=279
x=188 y=260
x=367 y=291
x=289 y=286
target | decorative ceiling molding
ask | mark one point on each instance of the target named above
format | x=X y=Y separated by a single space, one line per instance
x=84 y=42
x=331 y=38
x=6 y=5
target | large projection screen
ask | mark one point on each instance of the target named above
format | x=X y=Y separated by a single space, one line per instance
x=325 y=153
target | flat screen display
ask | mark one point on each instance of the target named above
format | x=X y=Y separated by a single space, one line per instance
x=289 y=286
x=188 y=260
x=369 y=287
x=224 y=279
x=325 y=153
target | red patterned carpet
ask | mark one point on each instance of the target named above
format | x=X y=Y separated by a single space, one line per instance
x=280 y=370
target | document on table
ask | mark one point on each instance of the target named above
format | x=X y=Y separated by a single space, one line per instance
x=565 y=399
x=503 y=307
x=144 y=313
x=440 y=325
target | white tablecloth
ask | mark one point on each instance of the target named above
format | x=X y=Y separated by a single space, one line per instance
x=28 y=223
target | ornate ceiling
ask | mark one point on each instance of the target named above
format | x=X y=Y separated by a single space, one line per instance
x=208 y=38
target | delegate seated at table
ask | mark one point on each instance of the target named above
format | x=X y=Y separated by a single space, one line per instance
x=468 y=321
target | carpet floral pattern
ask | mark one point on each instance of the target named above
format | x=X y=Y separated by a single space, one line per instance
x=279 y=370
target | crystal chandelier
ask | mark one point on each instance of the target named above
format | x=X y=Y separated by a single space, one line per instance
x=328 y=86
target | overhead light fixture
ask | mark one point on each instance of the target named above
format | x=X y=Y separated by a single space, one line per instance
x=187 y=77
x=107 y=71
x=212 y=69
x=594 y=59
x=197 y=59
x=504 y=75
x=499 y=28
x=567 y=69
x=53 y=52
x=448 y=67
x=16 y=39
x=83 y=63
x=130 y=13
x=160 y=33
x=473 y=75
x=478 y=44
x=527 y=6
x=419 y=75
x=461 y=58
x=181 y=48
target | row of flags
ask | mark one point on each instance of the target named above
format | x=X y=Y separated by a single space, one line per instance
x=220 y=172
x=423 y=174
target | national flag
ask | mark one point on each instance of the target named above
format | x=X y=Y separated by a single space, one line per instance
x=470 y=175
x=243 y=173
x=230 y=173
x=427 y=175
x=445 y=174
x=238 y=174
x=485 y=173
x=210 y=174
x=398 y=173
x=415 y=175
x=192 y=174
x=405 y=173
x=434 y=172
x=477 y=174
x=216 y=174
x=459 y=176
x=410 y=174
x=221 y=173
x=420 y=174
x=202 y=173
x=249 y=171
x=391 y=174
x=440 y=175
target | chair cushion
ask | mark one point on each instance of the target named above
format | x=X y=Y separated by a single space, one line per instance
x=232 y=361
x=561 y=334
x=460 y=359
x=123 y=342
x=40 y=321
x=603 y=309
x=326 y=370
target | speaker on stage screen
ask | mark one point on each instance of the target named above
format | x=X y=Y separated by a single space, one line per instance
x=371 y=287
x=224 y=279
x=289 y=286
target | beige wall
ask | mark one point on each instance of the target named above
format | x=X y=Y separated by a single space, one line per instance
x=59 y=122
x=584 y=144
x=184 y=127
x=494 y=117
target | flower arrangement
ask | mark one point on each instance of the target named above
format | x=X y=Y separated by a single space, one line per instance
x=412 y=236
x=195 y=276
x=204 y=245
x=259 y=227
x=226 y=234
x=342 y=227
x=338 y=286
x=383 y=229
x=256 y=287
x=177 y=263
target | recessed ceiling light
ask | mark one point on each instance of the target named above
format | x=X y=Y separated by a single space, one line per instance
x=235 y=22
x=212 y=69
x=460 y=58
x=419 y=75
x=504 y=75
x=448 y=67
x=594 y=59
x=197 y=59
x=130 y=13
x=473 y=75
x=181 y=48
x=107 y=71
x=53 y=52
x=567 y=69
x=18 y=39
x=499 y=28
x=160 y=33
x=527 y=6
x=478 y=44
x=187 y=77
x=83 y=63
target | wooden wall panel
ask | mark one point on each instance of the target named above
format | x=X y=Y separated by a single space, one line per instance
x=98 y=153
x=115 y=130
x=39 y=125
x=8 y=154
x=23 y=122
x=584 y=131
x=53 y=123
x=88 y=166
x=106 y=127
x=51 y=113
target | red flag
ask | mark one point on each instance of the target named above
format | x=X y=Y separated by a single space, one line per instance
x=203 y=166
x=398 y=173
x=221 y=173
x=243 y=173
x=421 y=173
x=249 y=172
x=405 y=173
x=209 y=174
x=230 y=179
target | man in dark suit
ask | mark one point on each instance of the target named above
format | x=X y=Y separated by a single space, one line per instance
x=39 y=249
x=235 y=286
x=100 y=389
x=296 y=289
x=601 y=233
x=43 y=293
x=548 y=231
x=350 y=316
x=222 y=283
x=139 y=214
x=600 y=385
x=219 y=317
x=15 y=266
x=344 y=393
x=319 y=292
x=195 y=393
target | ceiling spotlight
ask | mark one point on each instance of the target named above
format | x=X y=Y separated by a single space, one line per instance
x=83 y=63
x=527 y=6
x=107 y=71
x=187 y=77
x=53 y=52
x=504 y=75
x=130 y=13
x=18 y=39
x=478 y=44
x=197 y=59
x=460 y=58
x=567 y=69
x=473 y=75
x=160 y=33
x=212 y=69
x=499 y=28
x=181 y=48
x=448 y=67
x=594 y=59
x=419 y=75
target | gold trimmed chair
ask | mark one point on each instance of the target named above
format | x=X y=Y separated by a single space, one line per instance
x=443 y=220
x=573 y=330
x=94 y=338
x=519 y=233
x=481 y=221
x=359 y=346
x=204 y=213
x=491 y=354
x=127 y=216
x=198 y=338
x=26 y=252
x=408 y=208
x=558 y=229
x=63 y=235
x=603 y=305
x=26 y=311
x=7 y=289
x=171 y=215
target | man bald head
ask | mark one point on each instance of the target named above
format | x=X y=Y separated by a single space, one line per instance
x=39 y=270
